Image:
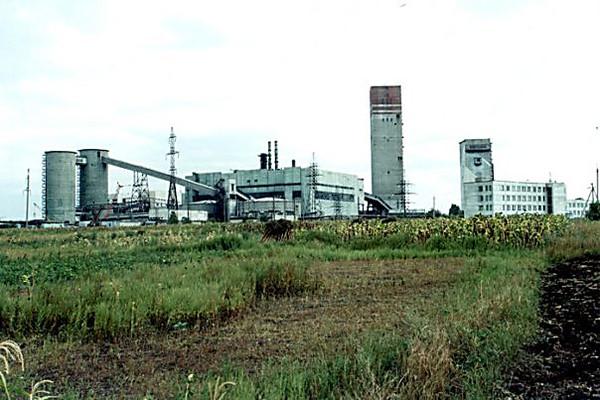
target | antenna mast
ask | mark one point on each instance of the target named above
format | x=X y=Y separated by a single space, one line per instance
x=172 y=203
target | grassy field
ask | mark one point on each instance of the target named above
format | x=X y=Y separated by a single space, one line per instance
x=414 y=309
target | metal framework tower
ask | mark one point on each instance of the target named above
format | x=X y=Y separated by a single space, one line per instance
x=314 y=205
x=172 y=203
x=140 y=193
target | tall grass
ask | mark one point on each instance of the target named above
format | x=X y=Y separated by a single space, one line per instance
x=108 y=305
x=453 y=344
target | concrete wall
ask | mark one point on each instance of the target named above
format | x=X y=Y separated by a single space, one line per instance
x=476 y=165
x=387 y=162
x=577 y=208
x=335 y=193
x=559 y=198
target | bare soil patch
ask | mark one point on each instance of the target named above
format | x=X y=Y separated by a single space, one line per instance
x=356 y=297
x=564 y=362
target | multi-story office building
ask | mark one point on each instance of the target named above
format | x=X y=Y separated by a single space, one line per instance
x=482 y=194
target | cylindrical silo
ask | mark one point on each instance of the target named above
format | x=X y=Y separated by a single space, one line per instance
x=93 y=178
x=60 y=186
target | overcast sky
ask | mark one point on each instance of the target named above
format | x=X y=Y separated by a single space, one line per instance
x=230 y=75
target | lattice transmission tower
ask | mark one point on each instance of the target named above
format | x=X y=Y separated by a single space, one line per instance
x=172 y=203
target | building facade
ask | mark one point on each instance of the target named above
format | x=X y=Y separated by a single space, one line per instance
x=387 y=162
x=482 y=194
x=577 y=208
x=301 y=192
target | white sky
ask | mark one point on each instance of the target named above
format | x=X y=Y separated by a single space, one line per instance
x=230 y=75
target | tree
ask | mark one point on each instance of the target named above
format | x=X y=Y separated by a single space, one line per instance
x=433 y=214
x=594 y=212
x=455 y=211
x=173 y=219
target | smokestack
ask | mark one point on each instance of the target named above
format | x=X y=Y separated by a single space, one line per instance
x=263 y=160
x=293 y=163
x=276 y=156
x=269 y=155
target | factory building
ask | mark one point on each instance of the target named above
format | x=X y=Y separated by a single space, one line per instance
x=387 y=163
x=482 y=194
x=75 y=189
x=291 y=192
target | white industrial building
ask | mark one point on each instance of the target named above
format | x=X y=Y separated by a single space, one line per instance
x=291 y=192
x=482 y=194
x=577 y=208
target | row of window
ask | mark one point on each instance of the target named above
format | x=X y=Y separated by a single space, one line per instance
x=514 y=207
x=521 y=188
x=523 y=207
x=512 y=188
x=519 y=197
x=576 y=205
x=345 y=197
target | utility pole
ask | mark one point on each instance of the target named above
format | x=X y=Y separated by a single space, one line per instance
x=597 y=180
x=597 y=199
x=28 y=192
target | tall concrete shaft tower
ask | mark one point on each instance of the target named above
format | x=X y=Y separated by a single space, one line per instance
x=476 y=165
x=387 y=163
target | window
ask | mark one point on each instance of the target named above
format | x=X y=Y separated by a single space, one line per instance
x=477 y=161
x=514 y=197
x=481 y=208
x=529 y=188
x=480 y=188
x=480 y=199
x=513 y=207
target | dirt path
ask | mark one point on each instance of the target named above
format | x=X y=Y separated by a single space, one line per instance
x=564 y=362
x=357 y=297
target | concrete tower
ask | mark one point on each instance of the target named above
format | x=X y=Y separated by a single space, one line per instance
x=93 y=178
x=475 y=164
x=59 y=185
x=387 y=164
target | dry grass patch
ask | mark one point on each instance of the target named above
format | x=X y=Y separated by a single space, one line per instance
x=357 y=297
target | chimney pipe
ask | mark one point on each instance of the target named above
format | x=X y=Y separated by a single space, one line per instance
x=269 y=156
x=276 y=156
x=263 y=160
x=293 y=163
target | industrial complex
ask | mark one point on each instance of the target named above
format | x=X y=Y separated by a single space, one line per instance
x=75 y=185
